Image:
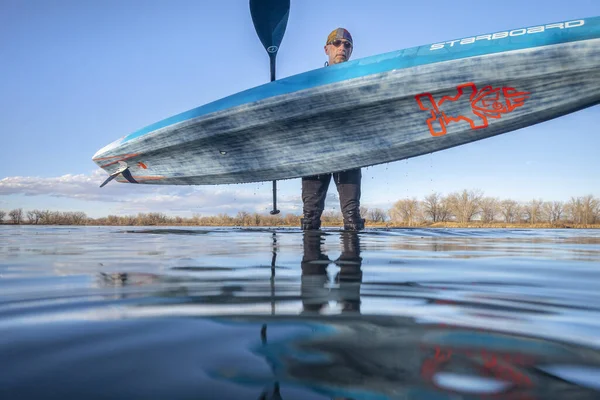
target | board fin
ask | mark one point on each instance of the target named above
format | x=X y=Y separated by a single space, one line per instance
x=122 y=168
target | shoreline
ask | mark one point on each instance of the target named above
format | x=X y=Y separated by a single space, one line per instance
x=436 y=225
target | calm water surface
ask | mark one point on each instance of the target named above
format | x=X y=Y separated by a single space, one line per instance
x=224 y=313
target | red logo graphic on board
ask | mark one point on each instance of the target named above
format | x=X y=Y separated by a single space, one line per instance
x=485 y=103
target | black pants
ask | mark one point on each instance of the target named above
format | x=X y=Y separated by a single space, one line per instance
x=314 y=191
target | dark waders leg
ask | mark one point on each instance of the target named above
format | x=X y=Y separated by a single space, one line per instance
x=348 y=186
x=349 y=278
x=314 y=288
x=314 y=191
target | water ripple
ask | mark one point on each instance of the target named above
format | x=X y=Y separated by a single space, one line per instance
x=169 y=312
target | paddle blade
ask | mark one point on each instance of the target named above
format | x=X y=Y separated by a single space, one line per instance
x=270 y=19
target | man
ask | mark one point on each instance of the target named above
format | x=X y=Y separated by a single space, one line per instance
x=338 y=47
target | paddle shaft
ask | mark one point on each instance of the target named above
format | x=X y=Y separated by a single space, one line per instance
x=270 y=20
x=272 y=58
x=274 y=210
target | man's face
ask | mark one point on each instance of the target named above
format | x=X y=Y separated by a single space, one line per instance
x=340 y=53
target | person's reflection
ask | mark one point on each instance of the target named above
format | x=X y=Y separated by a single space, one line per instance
x=349 y=277
x=315 y=289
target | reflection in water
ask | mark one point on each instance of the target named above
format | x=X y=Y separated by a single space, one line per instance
x=315 y=284
x=398 y=315
x=119 y=279
x=316 y=290
x=395 y=358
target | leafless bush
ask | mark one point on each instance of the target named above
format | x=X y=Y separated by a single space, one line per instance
x=465 y=205
x=291 y=220
x=129 y=220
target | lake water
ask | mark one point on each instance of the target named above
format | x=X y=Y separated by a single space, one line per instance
x=226 y=313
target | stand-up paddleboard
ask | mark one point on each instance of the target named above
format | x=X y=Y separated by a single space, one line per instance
x=372 y=110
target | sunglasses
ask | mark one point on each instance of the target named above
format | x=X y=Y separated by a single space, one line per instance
x=338 y=43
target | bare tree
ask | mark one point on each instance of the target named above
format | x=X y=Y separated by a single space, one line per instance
x=435 y=207
x=465 y=205
x=2 y=215
x=521 y=218
x=377 y=215
x=574 y=209
x=80 y=218
x=34 y=216
x=552 y=211
x=490 y=207
x=583 y=210
x=533 y=211
x=596 y=211
x=406 y=211
x=243 y=218
x=590 y=209
x=37 y=216
x=16 y=215
x=48 y=217
x=445 y=210
x=509 y=210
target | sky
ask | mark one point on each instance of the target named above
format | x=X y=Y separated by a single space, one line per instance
x=77 y=75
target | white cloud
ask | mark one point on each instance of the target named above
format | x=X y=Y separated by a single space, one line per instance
x=125 y=198
x=83 y=187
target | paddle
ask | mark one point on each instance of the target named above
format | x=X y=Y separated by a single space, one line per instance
x=270 y=20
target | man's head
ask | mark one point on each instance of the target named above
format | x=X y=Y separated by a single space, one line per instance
x=339 y=46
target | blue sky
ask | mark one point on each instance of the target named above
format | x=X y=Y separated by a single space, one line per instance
x=77 y=75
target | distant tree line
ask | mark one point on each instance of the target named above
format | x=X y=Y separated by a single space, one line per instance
x=43 y=217
x=470 y=206
x=464 y=208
